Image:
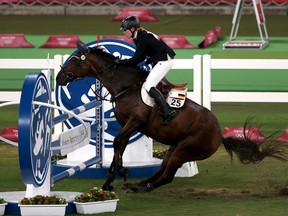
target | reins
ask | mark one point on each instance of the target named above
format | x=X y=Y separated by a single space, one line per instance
x=97 y=91
x=127 y=89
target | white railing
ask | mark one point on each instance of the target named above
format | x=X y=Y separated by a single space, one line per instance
x=200 y=66
x=243 y=64
x=38 y=64
x=196 y=66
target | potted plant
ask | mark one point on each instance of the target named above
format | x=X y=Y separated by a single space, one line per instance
x=43 y=206
x=2 y=206
x=96 y=201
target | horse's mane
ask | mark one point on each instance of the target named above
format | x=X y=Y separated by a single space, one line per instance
x=100 y=50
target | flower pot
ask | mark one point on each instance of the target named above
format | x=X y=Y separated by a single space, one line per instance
x=2 y=208
x=96 y=207
x=42 y=210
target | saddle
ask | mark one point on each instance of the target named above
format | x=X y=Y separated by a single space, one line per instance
x=174 y=94
x=165 y=87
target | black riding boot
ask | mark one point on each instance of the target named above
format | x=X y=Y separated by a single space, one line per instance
x=166 y=112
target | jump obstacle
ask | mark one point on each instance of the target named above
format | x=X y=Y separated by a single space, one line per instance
x=36 y=146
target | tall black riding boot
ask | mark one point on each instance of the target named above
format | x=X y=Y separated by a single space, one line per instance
x=166 y=112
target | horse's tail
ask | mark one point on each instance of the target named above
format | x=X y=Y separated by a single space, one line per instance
x=253 y=151
x=249 y=151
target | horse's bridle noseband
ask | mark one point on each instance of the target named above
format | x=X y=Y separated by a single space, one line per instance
x=70 y=74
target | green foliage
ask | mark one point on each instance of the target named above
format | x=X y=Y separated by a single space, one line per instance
x=159 y=153
x=2 y=200
x=96 y=194
x=43 y=200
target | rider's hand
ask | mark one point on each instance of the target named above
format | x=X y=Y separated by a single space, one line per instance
x=148 y=61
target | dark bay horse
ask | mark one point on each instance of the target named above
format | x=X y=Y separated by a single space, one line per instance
x=194 y=134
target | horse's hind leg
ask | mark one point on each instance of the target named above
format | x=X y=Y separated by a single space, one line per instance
x=163 y=165
x=157 y=175
x=164 y=176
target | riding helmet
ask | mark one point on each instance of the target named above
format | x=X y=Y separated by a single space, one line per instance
x=130 y=22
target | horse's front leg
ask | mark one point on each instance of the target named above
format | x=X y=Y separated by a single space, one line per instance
x=116 y=165
x=119 y=144
x=110 y=178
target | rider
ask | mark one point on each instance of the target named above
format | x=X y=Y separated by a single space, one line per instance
x=160 y=56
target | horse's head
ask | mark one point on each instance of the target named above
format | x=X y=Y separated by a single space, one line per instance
x=79 y=65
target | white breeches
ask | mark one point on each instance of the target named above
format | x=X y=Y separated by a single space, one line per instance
x=157 y=73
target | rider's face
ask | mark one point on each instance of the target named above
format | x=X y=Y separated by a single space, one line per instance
x=128 y=33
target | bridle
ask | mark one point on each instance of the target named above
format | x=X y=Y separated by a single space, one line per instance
x=69 y=75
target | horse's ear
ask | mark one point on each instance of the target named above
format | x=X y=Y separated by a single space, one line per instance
x=80 y=47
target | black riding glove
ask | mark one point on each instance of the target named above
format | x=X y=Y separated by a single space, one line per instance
x=149 y=61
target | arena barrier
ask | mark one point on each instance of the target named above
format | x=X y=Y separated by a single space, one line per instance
x=32 y=64
x=210 y=96
x=205 y=98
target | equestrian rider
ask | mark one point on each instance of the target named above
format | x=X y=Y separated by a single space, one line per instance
x=160 y=55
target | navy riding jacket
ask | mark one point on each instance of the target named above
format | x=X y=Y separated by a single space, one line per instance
x=148 y=46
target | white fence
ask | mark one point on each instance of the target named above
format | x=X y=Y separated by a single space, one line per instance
x=243 y=64
x=39 y=64
x=200 y=66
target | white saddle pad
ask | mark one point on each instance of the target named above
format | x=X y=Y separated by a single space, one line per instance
x=176 y=98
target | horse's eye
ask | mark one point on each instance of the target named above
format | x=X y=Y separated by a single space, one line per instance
x=74 y=59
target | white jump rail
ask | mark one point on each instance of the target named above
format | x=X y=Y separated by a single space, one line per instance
x=39 y=64
x=214 y=96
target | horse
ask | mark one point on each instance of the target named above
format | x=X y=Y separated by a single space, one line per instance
x=193 y=135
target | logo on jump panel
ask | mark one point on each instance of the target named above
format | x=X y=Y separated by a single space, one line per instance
x=40 y=133
x=79 y=92
x=35 y=128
